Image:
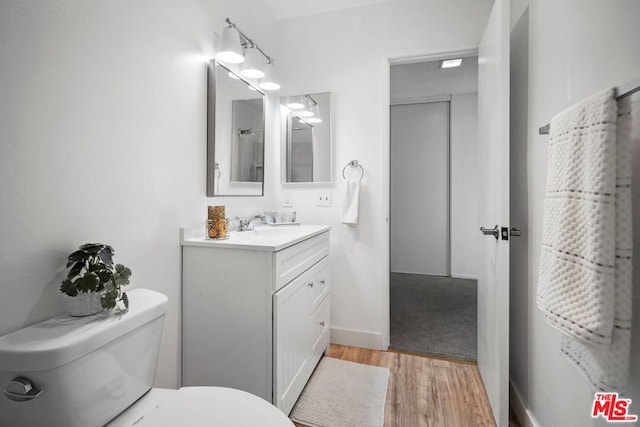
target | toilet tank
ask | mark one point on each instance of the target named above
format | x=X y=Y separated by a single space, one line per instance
x=88 y=369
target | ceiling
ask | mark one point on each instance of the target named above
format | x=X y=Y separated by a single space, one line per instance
x=287 y=9
x=426 y=79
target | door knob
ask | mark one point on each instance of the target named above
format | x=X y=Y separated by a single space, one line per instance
x=495 y=231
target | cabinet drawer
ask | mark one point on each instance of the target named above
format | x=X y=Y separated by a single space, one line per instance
x=319 y=283
x=320 y=326
x=289 y=263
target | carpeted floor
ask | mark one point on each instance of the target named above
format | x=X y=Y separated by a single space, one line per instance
x=434 y=316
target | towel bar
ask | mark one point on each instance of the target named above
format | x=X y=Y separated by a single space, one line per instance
x=621 y=92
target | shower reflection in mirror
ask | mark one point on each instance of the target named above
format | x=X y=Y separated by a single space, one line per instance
x=306 y=140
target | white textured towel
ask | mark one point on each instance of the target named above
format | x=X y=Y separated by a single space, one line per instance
x=351 y=202
x=584 y=286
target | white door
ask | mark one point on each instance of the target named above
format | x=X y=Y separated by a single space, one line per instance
x=493 y=209
x=420 y=188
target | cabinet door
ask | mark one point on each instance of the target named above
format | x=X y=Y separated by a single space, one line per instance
x=292 y=341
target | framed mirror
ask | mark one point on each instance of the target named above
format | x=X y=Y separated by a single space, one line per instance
x=306 y=138
x=235 y=134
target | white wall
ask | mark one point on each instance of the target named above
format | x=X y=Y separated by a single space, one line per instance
x=347 y=54
x=103 y=138
x=575 y=48
x=464 y=185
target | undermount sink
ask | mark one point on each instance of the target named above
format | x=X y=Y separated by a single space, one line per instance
x=286 y=230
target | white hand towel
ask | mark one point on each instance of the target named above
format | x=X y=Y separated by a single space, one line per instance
x=583 y=287
x=351 y=202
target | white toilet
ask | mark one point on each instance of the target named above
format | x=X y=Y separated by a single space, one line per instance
x=98 y=370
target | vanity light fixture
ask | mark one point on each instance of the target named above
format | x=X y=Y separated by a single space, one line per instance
x=231 y=48
x=268 y=82
x=253 y=65
x=450 y=63
x=316 y=114
x=304 y=108
x=295 y=104
x=306 y=111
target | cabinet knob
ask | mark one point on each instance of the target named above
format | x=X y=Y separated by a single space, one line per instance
x=322 y=323
x=311 y=284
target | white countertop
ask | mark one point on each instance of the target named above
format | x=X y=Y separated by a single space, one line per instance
x=262 y=238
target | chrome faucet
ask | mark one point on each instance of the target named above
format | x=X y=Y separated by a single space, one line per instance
x=247 y=224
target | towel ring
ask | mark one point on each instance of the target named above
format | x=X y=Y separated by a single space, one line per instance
x=353 y=164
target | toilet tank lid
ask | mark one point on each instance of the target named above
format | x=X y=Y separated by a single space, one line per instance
x=62 y=339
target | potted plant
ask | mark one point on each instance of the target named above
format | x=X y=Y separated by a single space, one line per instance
x=93 y=282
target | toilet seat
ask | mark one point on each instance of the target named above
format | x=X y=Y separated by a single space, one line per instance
x=206 y=406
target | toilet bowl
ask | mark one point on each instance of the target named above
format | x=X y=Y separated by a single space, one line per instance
x=98 y=370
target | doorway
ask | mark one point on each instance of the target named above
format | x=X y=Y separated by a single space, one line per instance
x=433 y=209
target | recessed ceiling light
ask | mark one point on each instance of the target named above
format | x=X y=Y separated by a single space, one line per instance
x=450 y=63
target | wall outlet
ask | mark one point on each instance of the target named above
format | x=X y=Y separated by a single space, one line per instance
x=323 y=199
x=288 y=199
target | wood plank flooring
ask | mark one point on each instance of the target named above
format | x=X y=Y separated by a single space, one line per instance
x=425 y=391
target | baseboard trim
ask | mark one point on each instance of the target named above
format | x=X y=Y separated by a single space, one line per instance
x=525 y=416
x=453 y=276
x=464 y=276
x=354 y=338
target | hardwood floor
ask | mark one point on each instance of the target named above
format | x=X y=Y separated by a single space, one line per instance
x=425 y=391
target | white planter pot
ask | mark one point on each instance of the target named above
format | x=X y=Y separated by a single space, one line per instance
x=83 y=304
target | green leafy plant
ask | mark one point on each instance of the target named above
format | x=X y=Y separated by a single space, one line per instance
x=92 y=270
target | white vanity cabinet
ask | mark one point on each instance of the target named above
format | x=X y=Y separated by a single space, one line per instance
x=255 y=310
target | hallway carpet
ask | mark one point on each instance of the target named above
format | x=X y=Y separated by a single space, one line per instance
x=434 y=316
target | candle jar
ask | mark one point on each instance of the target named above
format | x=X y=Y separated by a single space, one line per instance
x=218 y=228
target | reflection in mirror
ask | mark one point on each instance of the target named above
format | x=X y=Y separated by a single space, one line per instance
x=235 y=135
x=306 y=138
x=299 y=150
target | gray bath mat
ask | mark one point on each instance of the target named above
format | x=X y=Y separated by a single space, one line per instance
x=342 y=393
x=434 y=316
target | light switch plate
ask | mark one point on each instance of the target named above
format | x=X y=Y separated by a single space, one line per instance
x=288 y=199
x=323 y=198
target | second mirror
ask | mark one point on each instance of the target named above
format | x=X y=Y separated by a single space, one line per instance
x=306 y=138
